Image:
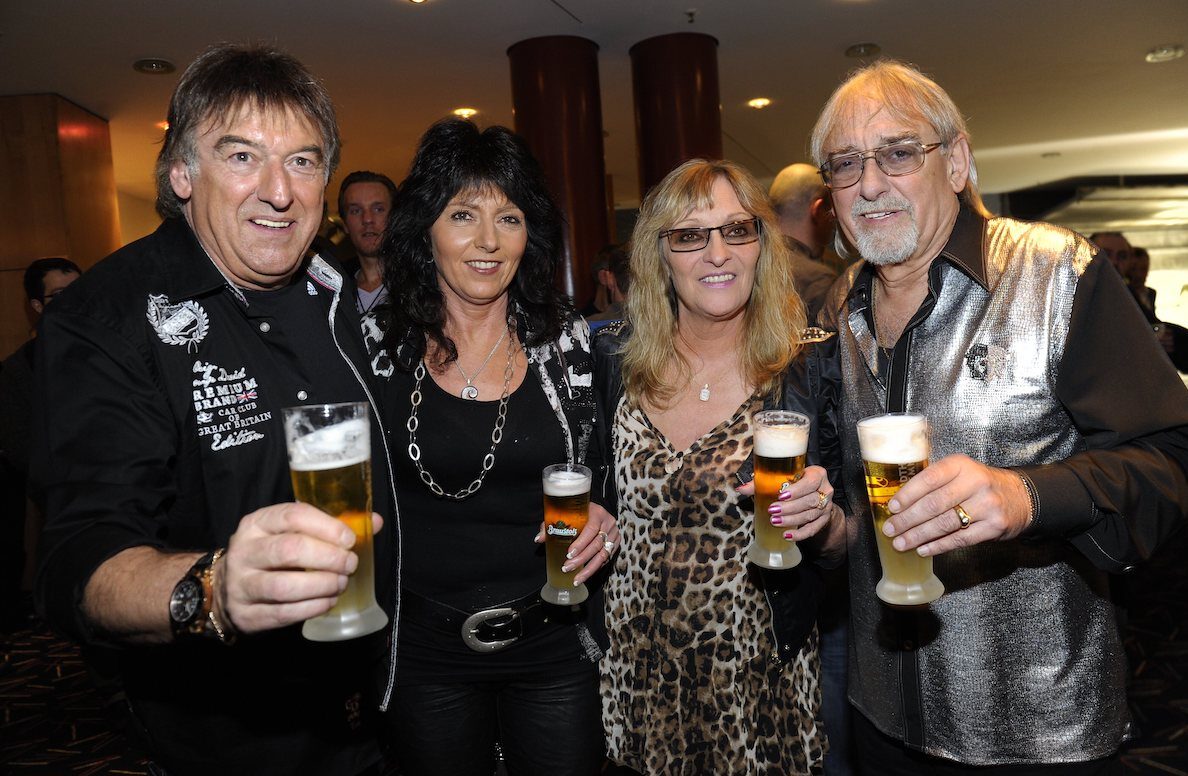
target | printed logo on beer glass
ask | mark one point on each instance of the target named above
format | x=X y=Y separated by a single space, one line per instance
x=566 y=511
x=780 y=448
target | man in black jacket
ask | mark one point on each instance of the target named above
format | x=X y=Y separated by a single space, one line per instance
x=161 y=451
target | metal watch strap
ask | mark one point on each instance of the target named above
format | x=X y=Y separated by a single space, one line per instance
x=208 y=601
x=204 y=623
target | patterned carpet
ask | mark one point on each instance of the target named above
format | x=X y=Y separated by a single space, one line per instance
x=53 y=721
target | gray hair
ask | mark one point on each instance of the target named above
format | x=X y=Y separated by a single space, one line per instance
x=907 y=94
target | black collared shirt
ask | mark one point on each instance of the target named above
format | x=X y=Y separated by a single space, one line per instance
x=158 y=423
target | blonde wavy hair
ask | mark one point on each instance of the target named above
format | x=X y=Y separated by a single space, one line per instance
x=774 y=313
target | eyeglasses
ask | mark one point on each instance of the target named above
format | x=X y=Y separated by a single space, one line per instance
x=695 y=238
x=900 y=158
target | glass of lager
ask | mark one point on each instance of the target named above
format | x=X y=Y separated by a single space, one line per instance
x=895 y=448
x=781 y=442
x=566 y=510
x=330 y=462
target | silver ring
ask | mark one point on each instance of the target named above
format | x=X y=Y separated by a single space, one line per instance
x=608 y=547
x=605 y=538
x=822 y=499
x=963 y=516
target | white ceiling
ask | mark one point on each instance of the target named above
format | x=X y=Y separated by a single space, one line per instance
x=1035 y=77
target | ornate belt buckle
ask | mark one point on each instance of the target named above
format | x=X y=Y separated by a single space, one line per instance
x=470 y=629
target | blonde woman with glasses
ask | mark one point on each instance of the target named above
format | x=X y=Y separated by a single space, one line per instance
x=713 y=663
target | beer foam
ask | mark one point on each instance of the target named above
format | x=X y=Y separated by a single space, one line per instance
x=563 y=483
x=342 y=444
x=894 y=438
x=781 y=441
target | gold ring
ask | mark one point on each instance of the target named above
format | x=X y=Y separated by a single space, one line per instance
x=963 y=516
x=822 y=499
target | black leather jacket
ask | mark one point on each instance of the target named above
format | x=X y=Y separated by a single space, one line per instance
x=810 y=386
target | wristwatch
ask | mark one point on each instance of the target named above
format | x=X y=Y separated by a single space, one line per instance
x=190 y=605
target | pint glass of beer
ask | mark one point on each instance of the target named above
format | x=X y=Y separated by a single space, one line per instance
x=894 y=449
x=566 y=510
x=330 y=462
x=781 y=442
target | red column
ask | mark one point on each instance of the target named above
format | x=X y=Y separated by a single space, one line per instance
x=678 y=115
x=556 y=99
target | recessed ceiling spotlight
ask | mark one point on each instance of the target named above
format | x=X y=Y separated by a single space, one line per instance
x=416 y=2
x=153 y=66
x=465 y=112
x=1165 y=53
x=759 y=103
x=863 y=51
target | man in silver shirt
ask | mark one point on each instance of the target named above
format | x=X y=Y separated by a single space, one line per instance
x=1059 y=449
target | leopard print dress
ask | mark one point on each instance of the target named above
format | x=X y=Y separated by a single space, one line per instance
x=688 y=686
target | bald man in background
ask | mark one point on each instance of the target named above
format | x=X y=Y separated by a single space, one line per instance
x=802 y=203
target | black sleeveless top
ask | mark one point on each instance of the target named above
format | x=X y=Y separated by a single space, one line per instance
x=476 y=553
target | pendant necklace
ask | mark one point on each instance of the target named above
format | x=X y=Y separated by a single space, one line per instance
x=470 y=391
x=414 y=450
x=705 y=393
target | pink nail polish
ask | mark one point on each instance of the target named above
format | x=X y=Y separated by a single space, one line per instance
x=788 y=536
x=784 y=496
x=774 y=509
x=777 y=520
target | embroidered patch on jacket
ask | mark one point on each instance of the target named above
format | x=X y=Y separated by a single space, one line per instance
x=178 y=324
x=985 y=362
x=227 y=406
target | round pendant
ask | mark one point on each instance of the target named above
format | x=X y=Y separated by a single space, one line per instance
x=469 y=392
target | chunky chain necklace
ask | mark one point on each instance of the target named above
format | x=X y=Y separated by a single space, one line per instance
x=470 y=391
x=414 y=451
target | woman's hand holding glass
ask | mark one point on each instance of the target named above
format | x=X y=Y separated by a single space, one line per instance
x=805 y=508
x=594 y=546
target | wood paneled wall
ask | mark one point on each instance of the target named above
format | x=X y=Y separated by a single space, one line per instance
x=57 y=196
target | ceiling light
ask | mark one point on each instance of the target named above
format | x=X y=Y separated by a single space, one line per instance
x=759 y=103
x=465 y=112
x=416 y=2
x=863 y=51
x=1165 y=53
x=153 y=66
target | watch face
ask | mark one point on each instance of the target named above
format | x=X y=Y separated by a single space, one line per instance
x=185 y=601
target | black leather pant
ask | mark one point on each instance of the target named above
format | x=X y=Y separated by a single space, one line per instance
x=548 y=726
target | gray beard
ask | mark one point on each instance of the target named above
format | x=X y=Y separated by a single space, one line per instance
x=880 y=247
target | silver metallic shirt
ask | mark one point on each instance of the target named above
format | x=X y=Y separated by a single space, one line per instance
x=1020 y=660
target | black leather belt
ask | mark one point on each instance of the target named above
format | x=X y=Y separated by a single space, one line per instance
x=488 y=630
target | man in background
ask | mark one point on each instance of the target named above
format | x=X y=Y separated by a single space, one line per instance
x=21 y=520
x=801 y=202
x=364 y=200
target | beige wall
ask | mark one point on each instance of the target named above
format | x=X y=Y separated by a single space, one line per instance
x=138 y=217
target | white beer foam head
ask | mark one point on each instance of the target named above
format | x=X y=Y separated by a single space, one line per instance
x=894 y=438
x=781 y=441
x=564 y=483
x=342 y=444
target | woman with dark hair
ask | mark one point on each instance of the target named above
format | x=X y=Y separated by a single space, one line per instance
x=490 y=381
x=712 y=666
